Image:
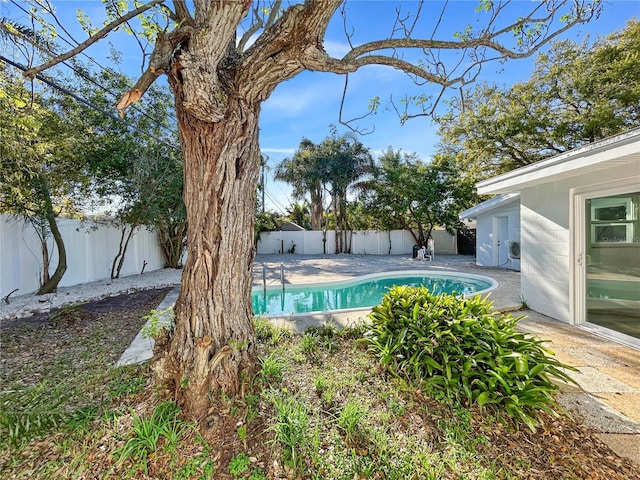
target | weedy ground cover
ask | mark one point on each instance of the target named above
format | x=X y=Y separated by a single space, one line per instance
x=322 y=405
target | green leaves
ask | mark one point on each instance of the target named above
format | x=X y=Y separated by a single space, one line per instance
x=577 y=94
x=405 y=192
x=31 y=411
x=485 y=5
x=458 y=349
x=163 y=424
x=331 y=166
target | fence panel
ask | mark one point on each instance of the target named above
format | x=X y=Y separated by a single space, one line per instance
x=364 y=242
x=91 y=248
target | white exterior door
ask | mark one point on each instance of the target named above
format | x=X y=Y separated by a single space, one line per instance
x=500 y=240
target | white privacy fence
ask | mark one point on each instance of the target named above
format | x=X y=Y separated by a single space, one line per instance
x=365 y=242
x=91 y=248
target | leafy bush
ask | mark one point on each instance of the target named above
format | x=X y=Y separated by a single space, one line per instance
x=158 y=321
x=458 y=349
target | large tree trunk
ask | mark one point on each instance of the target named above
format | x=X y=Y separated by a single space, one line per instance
x=212 y=348
x=218 y=92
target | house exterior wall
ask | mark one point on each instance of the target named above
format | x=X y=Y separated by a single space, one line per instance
x=546 y=257
x=544 y=264
x=486 y=235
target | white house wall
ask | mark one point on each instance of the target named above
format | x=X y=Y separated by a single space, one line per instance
x=485 y=235
x=545 y=239
x=544 y=263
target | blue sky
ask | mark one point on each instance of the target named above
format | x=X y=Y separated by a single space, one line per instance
x=308 y=104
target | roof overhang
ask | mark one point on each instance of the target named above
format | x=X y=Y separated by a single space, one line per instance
x=489 y=205
x=622 y=149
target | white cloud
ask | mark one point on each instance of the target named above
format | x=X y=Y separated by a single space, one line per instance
x=336 y=49
x=286 y=151
x=303 y=95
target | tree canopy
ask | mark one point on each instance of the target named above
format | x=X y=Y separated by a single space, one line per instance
x=305 y=172
x=327 y=168
x=406 y=193
x=40 y=176
x=577 y=94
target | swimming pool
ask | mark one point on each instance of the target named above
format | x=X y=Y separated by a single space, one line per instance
x=361 y=292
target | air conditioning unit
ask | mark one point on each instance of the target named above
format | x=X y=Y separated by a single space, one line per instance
x=514 y=250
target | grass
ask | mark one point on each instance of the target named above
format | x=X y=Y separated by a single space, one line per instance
x=321 y=407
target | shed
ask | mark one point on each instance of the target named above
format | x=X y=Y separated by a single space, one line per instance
x=497 y=222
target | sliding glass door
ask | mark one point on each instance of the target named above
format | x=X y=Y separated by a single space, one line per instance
x=611 y=261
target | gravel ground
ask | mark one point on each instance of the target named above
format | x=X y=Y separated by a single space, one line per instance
x=31 y=304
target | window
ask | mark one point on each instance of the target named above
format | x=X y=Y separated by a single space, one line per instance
x=614 y=219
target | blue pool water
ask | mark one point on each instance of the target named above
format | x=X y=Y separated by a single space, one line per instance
x=361 y=292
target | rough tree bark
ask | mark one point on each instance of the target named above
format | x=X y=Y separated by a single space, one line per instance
x=213 y=346
x=212 y=349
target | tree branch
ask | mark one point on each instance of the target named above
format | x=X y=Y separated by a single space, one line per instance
x=347 y=123
x=51 y=11
x=182 y=14
x=474 y=46
x=32 y=72
x=158 y=64
x=260 y=23
x=291 y=44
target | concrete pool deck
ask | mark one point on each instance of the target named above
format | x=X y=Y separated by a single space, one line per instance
x=608 y=393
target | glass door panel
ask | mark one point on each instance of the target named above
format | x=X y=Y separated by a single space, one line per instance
x=613 y=262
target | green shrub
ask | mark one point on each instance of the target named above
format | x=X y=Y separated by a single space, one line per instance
x=459 y=350
x=164 y=423
x=157 y=321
